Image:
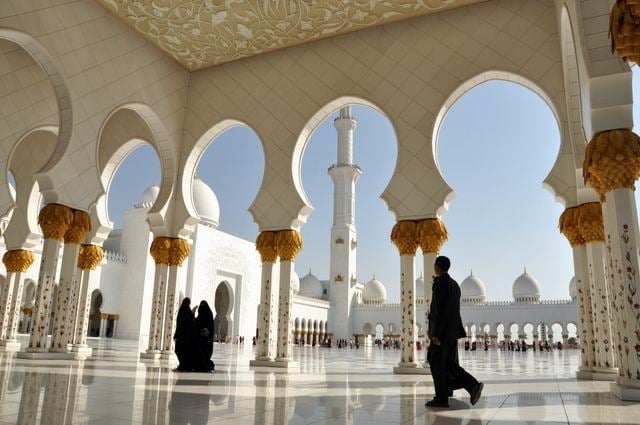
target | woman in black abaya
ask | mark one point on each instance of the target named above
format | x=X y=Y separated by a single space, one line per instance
x=204 y=331
x=184 y=338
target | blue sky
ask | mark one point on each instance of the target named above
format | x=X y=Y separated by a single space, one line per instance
x=496 y=146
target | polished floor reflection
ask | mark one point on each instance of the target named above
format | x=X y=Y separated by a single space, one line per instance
x=331 y=386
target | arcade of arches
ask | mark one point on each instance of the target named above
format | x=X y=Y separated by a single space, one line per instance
x=89 y=83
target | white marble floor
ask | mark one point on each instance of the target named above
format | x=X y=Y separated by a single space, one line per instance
x=332 y=386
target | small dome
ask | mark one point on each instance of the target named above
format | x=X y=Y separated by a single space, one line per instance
x=149 y=196
x=205 y=202
x=420 y=287
x=573 y=292
x=374 y=292
x=295 y=283
x=311 y=286
x=526 y=288
x=472 y=289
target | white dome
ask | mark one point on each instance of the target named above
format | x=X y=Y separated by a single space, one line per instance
x=295 y=282
x=149 y=196
x=573 y=292
x=205 y=202
x=526 y=288
x=473 y=289
x=420 y=287
x=374 y=292
x=311 y=286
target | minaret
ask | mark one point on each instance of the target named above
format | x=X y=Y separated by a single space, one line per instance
x=343 y=233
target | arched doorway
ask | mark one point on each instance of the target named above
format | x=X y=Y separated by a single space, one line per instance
x=95 y=313
x=222 y=323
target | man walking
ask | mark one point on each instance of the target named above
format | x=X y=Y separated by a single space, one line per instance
x=445 y=328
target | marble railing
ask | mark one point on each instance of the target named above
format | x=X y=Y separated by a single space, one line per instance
x=115 y=257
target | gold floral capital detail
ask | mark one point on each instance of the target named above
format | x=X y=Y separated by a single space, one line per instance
x=404 y=236
x=569 y=226
x=54 y=220
x=90 y=256
x=590 y=222
x=288 y=243
x=79 y=228
x=624 y=30
x=266 y=246
x=432 y=234
x=17 y=260
x=160 y=250
x=612 y=161
x=179 y=250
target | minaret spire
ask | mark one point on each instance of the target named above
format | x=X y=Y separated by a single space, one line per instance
x=343 y=232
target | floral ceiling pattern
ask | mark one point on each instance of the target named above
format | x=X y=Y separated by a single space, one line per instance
x=202 y=33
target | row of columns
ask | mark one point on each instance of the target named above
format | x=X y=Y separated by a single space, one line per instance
x=273 y=245
x=407 y=235
x=58 y=223
x=169 y=255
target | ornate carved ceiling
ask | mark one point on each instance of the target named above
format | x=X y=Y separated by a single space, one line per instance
x=202 y=33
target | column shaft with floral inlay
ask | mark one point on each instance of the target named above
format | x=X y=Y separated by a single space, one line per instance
x=17 y=262
x=54 y=220
x=160 y=252
x=611 y=167
x=78 y=230
x=179 y=250
x=432 y=234
x=591 y=225
x=404 y=237
x=88 y=260
x=288 y=243
x=265 y=344
x=570 y=228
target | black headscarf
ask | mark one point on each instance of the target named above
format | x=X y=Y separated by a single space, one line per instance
x=184 y=321
x=205 y=318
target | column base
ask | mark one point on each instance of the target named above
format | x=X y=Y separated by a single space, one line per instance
x=584 y=373
x=285 y=363
x=604 y=374
x=9 y=345
x=47 y=355
x=168 y=355
x=262 y=363
x=150 y=355
x=411 y=370
x=81 y=349
x=626 y=389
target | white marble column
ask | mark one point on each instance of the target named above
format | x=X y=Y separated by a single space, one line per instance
x=16 y=262
x=54 y=221
x=266 y=246
x=160 y=252
x=179 y=250
x=88 y=261
x=288 y=243
x=78 y=230
x=585 y=315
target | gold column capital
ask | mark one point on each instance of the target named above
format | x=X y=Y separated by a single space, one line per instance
x=267 y=247
x=90 y=256
x=17 y=260
x=404 y=236
x=590 y=222
x=569 y=226
x=432 y=234
x=160 y=250
x=624 y=30
x=79 y=228
x=179 y=250
x=288 y=243
x=612 y=161
x=54 y=220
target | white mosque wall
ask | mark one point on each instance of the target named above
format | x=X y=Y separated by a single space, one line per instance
x=112 y=273
x=220 y=258
x=311 y=309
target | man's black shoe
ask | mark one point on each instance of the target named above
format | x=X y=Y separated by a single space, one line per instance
x=476 y=392
x=436 y=403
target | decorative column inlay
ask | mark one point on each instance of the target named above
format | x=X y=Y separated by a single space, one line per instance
x=17 y=262
x=73 y=237
x=89 y=258
x=288 y=244
x=404 y=237
x=179 y=250
x=591 y=226
x=266 y=246
x=160 y=252
x=611 y=167
x=570 y=228
x=432 y=234
x=54 y=220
